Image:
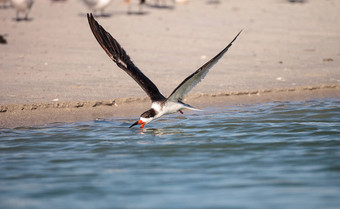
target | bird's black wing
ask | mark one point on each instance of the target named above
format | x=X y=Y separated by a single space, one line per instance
x=119 y=56
x=192 y=80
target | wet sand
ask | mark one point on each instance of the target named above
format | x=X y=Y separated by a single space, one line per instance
x=53 y=70
x=45 y=114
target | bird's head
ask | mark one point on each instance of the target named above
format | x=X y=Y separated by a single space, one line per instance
x=145 y=118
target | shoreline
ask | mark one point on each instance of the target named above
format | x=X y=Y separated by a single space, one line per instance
x=42 y=114
x=53 y=70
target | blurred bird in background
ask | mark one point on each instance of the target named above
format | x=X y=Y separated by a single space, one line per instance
x=163 y=3
x=2 y=39
x=132 y=3
x=3 y=3
x=22 y=6
x=97 y=5
x=181 y=1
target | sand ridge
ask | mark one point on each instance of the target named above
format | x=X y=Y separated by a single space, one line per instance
x=41 y=114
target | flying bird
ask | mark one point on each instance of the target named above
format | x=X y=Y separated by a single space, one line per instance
x=160 y=104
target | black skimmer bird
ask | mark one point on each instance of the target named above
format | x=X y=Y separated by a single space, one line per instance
x=160 y=104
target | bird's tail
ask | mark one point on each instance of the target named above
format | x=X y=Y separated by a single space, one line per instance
x=186 y=106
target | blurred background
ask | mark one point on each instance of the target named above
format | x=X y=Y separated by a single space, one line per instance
x=52 y=55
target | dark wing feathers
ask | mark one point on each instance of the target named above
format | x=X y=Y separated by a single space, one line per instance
x=192 y=80
x=120 y=57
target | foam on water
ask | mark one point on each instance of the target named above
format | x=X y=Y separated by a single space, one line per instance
x=273 y=155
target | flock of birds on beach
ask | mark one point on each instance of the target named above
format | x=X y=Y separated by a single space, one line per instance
x=21 y=6
x=24 y=6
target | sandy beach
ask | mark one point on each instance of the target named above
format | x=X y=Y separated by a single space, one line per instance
x=53 y=70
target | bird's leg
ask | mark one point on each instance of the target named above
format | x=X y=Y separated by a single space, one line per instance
x=26 y=16
x=128 y=2
x=140 y=9
x=18 y=19
x=180 y=111
x=129 y=9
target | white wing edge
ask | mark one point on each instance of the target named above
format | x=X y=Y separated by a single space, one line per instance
x=191 y=81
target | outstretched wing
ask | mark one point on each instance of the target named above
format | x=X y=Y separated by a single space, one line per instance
x=192 y=80
x=119 y=56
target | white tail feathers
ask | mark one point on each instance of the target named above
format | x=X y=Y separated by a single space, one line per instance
x=191 y=107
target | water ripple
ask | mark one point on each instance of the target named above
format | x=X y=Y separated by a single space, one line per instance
x=280 y=152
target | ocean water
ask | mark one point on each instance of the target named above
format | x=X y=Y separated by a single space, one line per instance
x=271 y=155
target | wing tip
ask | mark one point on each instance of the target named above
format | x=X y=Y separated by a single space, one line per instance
x=90 y=17
x=236 y=36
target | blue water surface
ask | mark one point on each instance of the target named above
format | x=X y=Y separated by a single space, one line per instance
x=271 y=155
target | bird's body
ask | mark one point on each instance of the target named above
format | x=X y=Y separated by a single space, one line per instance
x=166 y=107
x=22 y=6
x=3 y=3
x=160 y=105
x=160 y=108
x=97 y=5
x=163 y=3
x=132 y=3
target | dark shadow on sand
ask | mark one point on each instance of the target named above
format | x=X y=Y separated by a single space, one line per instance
x=137 y=13
x=115 y=13
x=29 y=19
x=156 y=6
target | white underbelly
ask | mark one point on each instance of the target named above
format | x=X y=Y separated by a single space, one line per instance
x=101 y=4
x=172 y=107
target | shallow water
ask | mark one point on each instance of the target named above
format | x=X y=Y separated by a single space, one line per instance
x=273 y=155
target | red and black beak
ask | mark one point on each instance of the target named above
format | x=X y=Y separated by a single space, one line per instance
x=138 y=122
